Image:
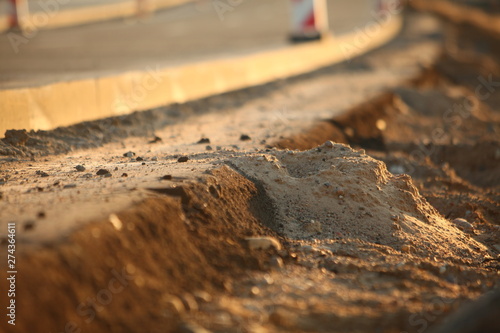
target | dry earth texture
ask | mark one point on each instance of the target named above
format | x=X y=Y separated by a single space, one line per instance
x=383 y=219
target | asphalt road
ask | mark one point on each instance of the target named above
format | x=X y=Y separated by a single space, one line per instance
x=178 y=35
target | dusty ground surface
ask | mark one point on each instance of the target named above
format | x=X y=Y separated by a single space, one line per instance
x=365 y=238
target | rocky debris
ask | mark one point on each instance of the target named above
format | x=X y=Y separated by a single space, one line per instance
x=103 y=172
x=42 y=173
x=3 y=181
x=208 y=148
x=245 y=137
x=166 y=177
x=183 y=159
x=363 y=201
x=80 y=168
x=124 y=174
x=129 y=154
x=16 y=137
x=203 y=140
x=139 y=159
x=263 y=243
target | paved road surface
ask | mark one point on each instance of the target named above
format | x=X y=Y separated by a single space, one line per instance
x=186 y=33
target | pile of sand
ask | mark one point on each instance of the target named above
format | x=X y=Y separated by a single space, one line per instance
x=335 y=192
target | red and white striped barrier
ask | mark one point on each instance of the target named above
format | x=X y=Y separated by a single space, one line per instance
x=18 y=13
x=309 y=20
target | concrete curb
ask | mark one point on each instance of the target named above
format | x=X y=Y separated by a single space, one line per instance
x=90 y=14
x=66 y=103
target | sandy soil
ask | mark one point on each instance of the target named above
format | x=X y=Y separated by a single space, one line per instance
x=269 y=226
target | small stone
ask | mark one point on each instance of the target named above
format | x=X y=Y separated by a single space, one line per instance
x=314 y=227
x=203 y=140
x=69 y=186
x=183 y=159
x=103 y=172
x=115 y=221
x=397 y=169
x=276 y=262
x=329 y=144
x=124 y=174
x=154 y=158
x=139 y=159
x=381 y=124
x=255 y=290
x=497 y=247
x=406 y=248
x=29 y=225
x=218 y=148
x=208 y=148
x=173 y=304
x=42 y=173
x=154 y=140
x=263 y=243
x=245 y=137
x=395 y=218
x=166 y=177
x=463 y=225
x=129 y=154
x=107 y=175
x=202 y=296
x=80 y=168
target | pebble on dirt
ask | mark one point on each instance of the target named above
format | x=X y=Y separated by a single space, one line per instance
x=129 y=154
x=183 y=159
x=124 y=174
x=80 y=168
x=203 y=140
x=69 y=186
x=155 y=140
x=102 y=172
x=29 y=225
x=245 y=137
x=263 y=243
x=166 y=177
x=139 y=159
x=42 y=173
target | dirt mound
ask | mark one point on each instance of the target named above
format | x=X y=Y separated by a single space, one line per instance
x=334 y=192
x=154 y=260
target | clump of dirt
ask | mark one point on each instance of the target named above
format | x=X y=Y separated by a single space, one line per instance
x=335 y=192
x=437 y=130
x=156 y=260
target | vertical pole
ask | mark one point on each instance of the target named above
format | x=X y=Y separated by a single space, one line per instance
x=309 y=20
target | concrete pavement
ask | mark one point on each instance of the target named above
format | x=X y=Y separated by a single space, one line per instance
x=59 y=77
